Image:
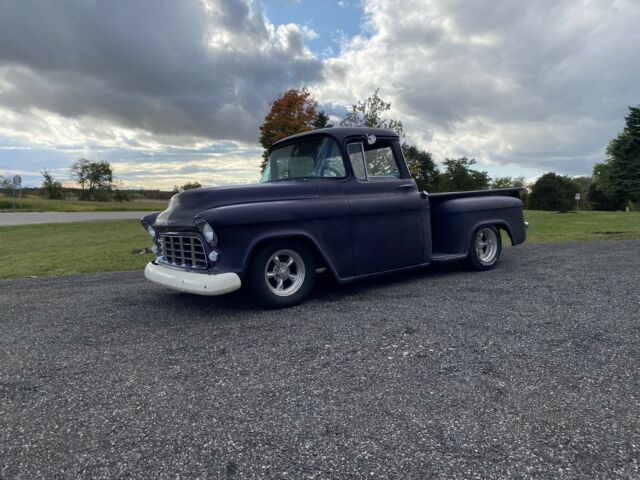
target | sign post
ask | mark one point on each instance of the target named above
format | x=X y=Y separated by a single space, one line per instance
x=17 y=184
x=577 y=201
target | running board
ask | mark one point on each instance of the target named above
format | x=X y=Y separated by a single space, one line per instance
x=447 y=257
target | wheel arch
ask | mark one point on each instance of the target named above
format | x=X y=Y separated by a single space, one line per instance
x=319 y=255
x=498 y=224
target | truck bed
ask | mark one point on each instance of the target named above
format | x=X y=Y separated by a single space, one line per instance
x=456 y=215
x=508 y=192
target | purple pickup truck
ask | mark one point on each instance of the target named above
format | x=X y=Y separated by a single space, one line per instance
x=337 y=200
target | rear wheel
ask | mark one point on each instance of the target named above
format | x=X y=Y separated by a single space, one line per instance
x=282 y=274
x=485 y=248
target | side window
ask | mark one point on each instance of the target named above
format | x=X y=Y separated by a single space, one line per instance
x=357 y=160
x=373 y=162
x=380 y=163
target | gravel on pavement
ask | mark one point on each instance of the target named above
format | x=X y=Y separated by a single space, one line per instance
x=531 y=370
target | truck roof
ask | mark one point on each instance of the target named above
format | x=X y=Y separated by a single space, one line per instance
x=339 y=133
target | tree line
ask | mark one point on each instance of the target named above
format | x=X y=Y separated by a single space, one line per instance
x=614 y=185
x=96 y=182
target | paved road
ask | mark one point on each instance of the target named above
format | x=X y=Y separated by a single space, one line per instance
x=530 y=370
x=30 y=218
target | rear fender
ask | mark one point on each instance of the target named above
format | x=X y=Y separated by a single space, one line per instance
x=499 y=224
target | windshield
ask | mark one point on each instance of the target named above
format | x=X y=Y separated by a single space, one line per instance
x=316 y=157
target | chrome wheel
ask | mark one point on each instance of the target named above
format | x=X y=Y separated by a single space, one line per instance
x=486 y=245
x=284 y=272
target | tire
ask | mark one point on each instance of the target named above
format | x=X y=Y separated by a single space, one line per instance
x=282 y=274
x=485 y=248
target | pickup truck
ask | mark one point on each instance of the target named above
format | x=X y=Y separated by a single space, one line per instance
x=336 y=200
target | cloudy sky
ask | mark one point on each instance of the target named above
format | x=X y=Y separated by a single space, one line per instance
x=170 y=91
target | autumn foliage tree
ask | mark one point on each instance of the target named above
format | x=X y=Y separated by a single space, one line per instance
x=294 y=112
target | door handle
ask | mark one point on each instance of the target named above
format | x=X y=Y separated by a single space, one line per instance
x=406 y=186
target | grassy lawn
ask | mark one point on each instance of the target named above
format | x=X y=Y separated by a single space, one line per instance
x=68 y=248
x=65 y=249
x=35 y=204
x=553 y=227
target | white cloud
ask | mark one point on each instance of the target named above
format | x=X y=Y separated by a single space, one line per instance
x=196 y=68
x=521 y=86
x=536 y=84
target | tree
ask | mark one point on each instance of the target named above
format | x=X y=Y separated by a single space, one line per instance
x=507 y=182
x=120 y=194
x=599 y=193
x=583 y=182
x=95 y=178
x=459 y=176
x=553 y=192
x=624 y=161
x=4 y=183
x=51 y=188
x=190 y=186
x=370 y=114
x=422 y=167
x=80 y=171
x=294 y=112
x=321 y=121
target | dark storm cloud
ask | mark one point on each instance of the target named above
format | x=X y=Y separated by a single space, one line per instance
x=188 y=67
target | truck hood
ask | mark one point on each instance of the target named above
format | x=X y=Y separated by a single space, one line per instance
x=186 y=206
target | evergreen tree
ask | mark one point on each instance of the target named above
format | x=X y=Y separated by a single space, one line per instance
x=624 y=161
x=321 y=121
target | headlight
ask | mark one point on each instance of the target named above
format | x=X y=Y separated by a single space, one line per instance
x=208 y=233
x=150 y=230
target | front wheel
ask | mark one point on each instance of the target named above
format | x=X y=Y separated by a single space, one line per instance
x=485 y=248
x=282 y=274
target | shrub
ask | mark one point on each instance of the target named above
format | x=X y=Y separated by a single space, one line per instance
x=553 y=192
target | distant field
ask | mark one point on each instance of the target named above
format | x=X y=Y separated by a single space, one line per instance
x=65 y=249
x=35 y=204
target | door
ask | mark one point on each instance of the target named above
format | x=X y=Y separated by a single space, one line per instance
x=386 y=211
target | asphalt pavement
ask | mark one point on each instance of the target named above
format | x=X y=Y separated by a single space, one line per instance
x=531 y=370
x=30 y=218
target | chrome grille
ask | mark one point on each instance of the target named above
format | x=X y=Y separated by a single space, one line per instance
x=182 y=251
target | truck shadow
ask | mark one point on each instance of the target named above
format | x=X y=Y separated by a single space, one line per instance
x=327 y=289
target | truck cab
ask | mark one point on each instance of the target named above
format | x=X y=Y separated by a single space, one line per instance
x=338 y=199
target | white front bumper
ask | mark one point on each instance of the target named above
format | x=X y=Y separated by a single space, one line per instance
x=198 y=283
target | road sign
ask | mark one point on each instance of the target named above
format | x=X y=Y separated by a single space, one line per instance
x=16 y=181
x=577 y=196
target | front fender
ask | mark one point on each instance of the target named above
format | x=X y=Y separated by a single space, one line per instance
x=297 y=235
x=150 y=218
x=323 y=224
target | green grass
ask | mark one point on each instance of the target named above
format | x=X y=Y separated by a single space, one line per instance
x=69 y=248
x=65 y=249
x=553 y=227
x=35 y=204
